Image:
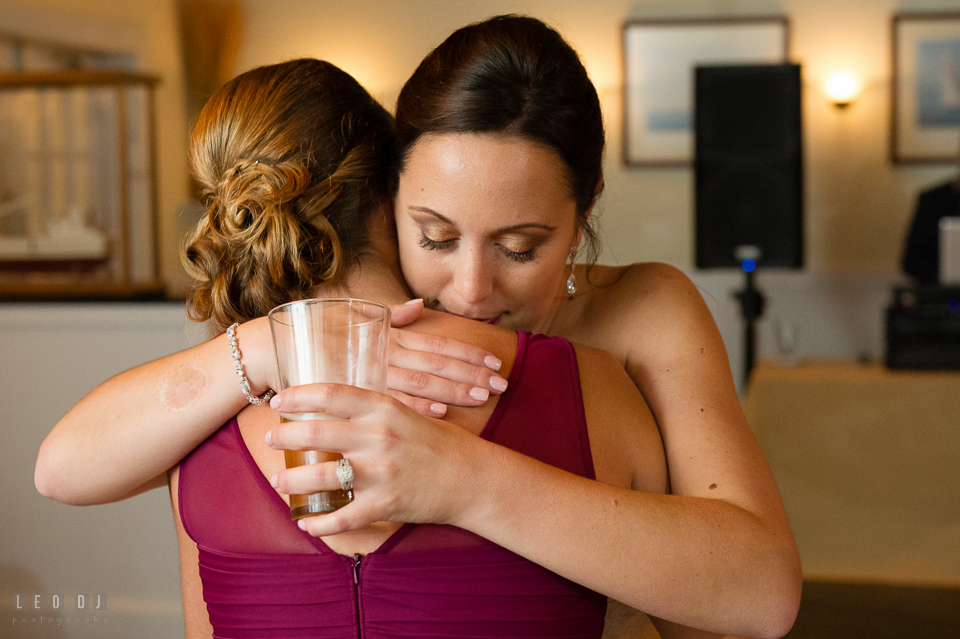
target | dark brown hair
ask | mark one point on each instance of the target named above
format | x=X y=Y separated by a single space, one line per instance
x=514 y=75
x=292 y=158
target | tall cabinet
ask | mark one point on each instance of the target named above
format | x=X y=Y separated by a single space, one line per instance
x=78 y=186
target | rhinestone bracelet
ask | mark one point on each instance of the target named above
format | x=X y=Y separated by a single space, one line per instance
x=238 y=367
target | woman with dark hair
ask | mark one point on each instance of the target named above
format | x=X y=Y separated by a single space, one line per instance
x=500 y=142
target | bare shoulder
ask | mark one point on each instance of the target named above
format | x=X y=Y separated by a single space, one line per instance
x=647 y=287
x=641 y=311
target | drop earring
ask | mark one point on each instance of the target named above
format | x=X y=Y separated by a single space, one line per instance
x=572 y=280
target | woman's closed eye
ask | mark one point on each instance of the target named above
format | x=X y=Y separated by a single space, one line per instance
x=516 y=253
x=435 y=245
x=521 y=257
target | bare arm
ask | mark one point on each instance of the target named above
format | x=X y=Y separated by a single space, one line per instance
x=699 y=562
x=121 y=438
x=670 y=346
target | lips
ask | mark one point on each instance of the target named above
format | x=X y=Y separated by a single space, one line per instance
x=486 y=320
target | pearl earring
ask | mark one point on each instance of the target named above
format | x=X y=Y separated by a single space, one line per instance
x=572 y=280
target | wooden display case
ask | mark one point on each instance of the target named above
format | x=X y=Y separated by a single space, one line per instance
x=78 y=186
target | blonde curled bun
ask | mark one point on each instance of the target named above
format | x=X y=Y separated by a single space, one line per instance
x=292 y=159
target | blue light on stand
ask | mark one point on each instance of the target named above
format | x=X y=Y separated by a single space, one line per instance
x=748 y=265
x=953 y=305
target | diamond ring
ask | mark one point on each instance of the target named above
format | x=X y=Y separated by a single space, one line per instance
x=345 y=474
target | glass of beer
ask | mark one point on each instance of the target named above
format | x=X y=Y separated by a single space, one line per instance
x=342 y=341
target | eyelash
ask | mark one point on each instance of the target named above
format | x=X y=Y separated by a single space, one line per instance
x=433 y=245
x=520 y=258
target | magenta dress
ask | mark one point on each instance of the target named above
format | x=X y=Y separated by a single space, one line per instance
x=264 y=577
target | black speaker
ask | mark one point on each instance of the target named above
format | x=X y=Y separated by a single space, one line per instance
x=748 y=166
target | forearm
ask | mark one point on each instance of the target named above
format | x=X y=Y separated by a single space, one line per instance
x=700 y=562
x=670 y=630
x=135 y=426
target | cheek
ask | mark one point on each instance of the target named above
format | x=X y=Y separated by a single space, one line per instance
x=537 y=288
x=421 y=271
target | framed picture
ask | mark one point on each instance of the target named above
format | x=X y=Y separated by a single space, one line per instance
x=659 y=58
x=925 y=81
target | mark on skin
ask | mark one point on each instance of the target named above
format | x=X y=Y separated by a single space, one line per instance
x=180 y=390
x=712 y=486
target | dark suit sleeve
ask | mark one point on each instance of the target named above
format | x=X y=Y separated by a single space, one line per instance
x=922 y=252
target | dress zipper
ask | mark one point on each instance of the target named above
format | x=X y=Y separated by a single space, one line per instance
x=356 y=591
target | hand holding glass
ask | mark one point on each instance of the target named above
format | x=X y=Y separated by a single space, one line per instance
x=341 y=341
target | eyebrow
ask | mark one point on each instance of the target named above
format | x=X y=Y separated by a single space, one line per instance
x=506 y=229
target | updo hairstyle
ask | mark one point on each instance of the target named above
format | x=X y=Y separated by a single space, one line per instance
x=292 y=159
x=513 y=75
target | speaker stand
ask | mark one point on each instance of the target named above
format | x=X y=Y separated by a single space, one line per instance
x=751 y=308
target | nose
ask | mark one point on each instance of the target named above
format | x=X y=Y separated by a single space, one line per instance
x=473 y=278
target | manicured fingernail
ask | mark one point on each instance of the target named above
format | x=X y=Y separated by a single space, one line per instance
x=492 y=362
x=273 y=480
x=302 y=525
x=275 y=402
x=438 y=409
x=480 y=394
x=268 y=438
x=498 y=383
x=419 y=300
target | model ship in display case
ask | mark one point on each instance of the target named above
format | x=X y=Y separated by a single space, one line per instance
x=78 y=211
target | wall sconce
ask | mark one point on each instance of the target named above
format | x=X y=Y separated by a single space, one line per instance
x=841 y=88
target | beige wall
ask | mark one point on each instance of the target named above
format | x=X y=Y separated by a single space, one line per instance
x=858 y=204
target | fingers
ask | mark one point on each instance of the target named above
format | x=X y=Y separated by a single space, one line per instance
x=326 y=435
x=307 y=479
x=444 y=366
x=352 y=516
x=426 y=407
x=337 y=400
x=449 y=348
x=433 y=388
x=433 y=368
x=403 y=314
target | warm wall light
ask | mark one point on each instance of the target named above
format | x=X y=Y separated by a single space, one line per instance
x=841 y=88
